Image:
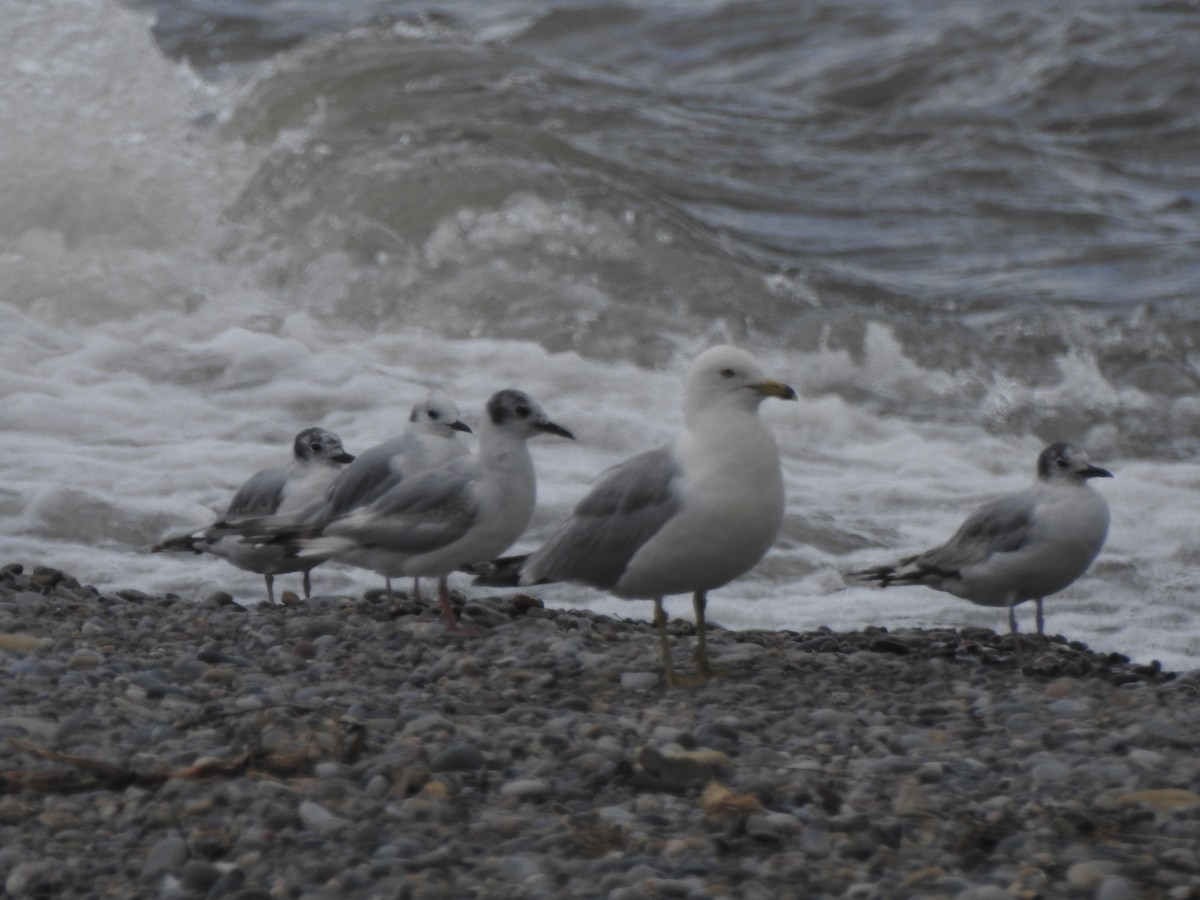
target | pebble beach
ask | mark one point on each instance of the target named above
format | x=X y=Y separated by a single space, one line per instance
x=351 y=747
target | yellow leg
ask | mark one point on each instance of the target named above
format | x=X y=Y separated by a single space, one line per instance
x=660 y=621
x=1016 y=640
x=699 y=602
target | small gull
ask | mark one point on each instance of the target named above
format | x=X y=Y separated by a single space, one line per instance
x=686 y=518
x=1022 y=546
x=463 y=512
x=318 y=456
x=432 y=437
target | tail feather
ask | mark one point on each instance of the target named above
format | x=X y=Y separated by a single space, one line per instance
x=907 y=571
x=269 y=530
x=180 y=543
x=319 y=548
x=293 y=538
x=504 y=571
x=881 y=575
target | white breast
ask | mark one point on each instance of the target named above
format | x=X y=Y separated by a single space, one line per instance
x=731 y=508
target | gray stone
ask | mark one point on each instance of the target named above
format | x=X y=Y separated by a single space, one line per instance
x=1088 y=874
x=28 y=879
x=526 y=788
x=317 y=818
x=459 y=757
x=1114 y=887
x=166 y=855
x=814 y=842
x=985 y=892
x=640 y=681
x=199 y=875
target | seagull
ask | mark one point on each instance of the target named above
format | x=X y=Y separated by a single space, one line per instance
x=432 y=437
x=465 y=511
x=318 y=455
x=685 y=518
x=1022 y=546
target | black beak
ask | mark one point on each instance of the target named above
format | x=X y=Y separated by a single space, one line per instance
x=1096 y=472
x=550 y=428
x=461 y=426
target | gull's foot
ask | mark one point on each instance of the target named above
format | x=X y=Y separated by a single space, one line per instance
x=400 y=602
x=705 y=670
x=686 y=681
x=1025 y=644
x=461 y=630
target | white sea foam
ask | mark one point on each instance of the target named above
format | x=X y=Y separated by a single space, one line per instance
x=144 y=375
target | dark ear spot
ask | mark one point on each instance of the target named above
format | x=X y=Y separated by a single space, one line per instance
x=415 y=415
x=506 y=403
x=495 y=409
x=308 y=440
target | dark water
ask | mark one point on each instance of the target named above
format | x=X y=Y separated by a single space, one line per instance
x=1002 y=185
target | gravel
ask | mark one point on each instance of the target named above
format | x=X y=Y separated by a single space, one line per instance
x=350 y=747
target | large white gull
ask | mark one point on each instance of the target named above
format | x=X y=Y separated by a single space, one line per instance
x=685 y=518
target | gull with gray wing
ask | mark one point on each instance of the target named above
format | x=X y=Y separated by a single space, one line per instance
x=686 y=518
x=317 y=457
x=1022 y=546
x=432 y=437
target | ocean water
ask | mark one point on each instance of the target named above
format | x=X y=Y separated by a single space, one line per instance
x=961 y=231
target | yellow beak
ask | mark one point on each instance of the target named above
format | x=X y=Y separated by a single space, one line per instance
x=775 y=389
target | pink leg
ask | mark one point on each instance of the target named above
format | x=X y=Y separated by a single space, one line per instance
x=447 y=609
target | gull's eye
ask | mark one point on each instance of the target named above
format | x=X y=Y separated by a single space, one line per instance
x=1061 y=463
x=315 y=446
x=522 y=411
x=727 y=373
x=433 y=414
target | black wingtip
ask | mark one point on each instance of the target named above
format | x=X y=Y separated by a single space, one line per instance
x=881 y=575
x=502 y=572
x=183 y=543
x=269 y=531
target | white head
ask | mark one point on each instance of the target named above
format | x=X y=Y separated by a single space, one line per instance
x=316 y=445
x=437 y=415
x=725 y=376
